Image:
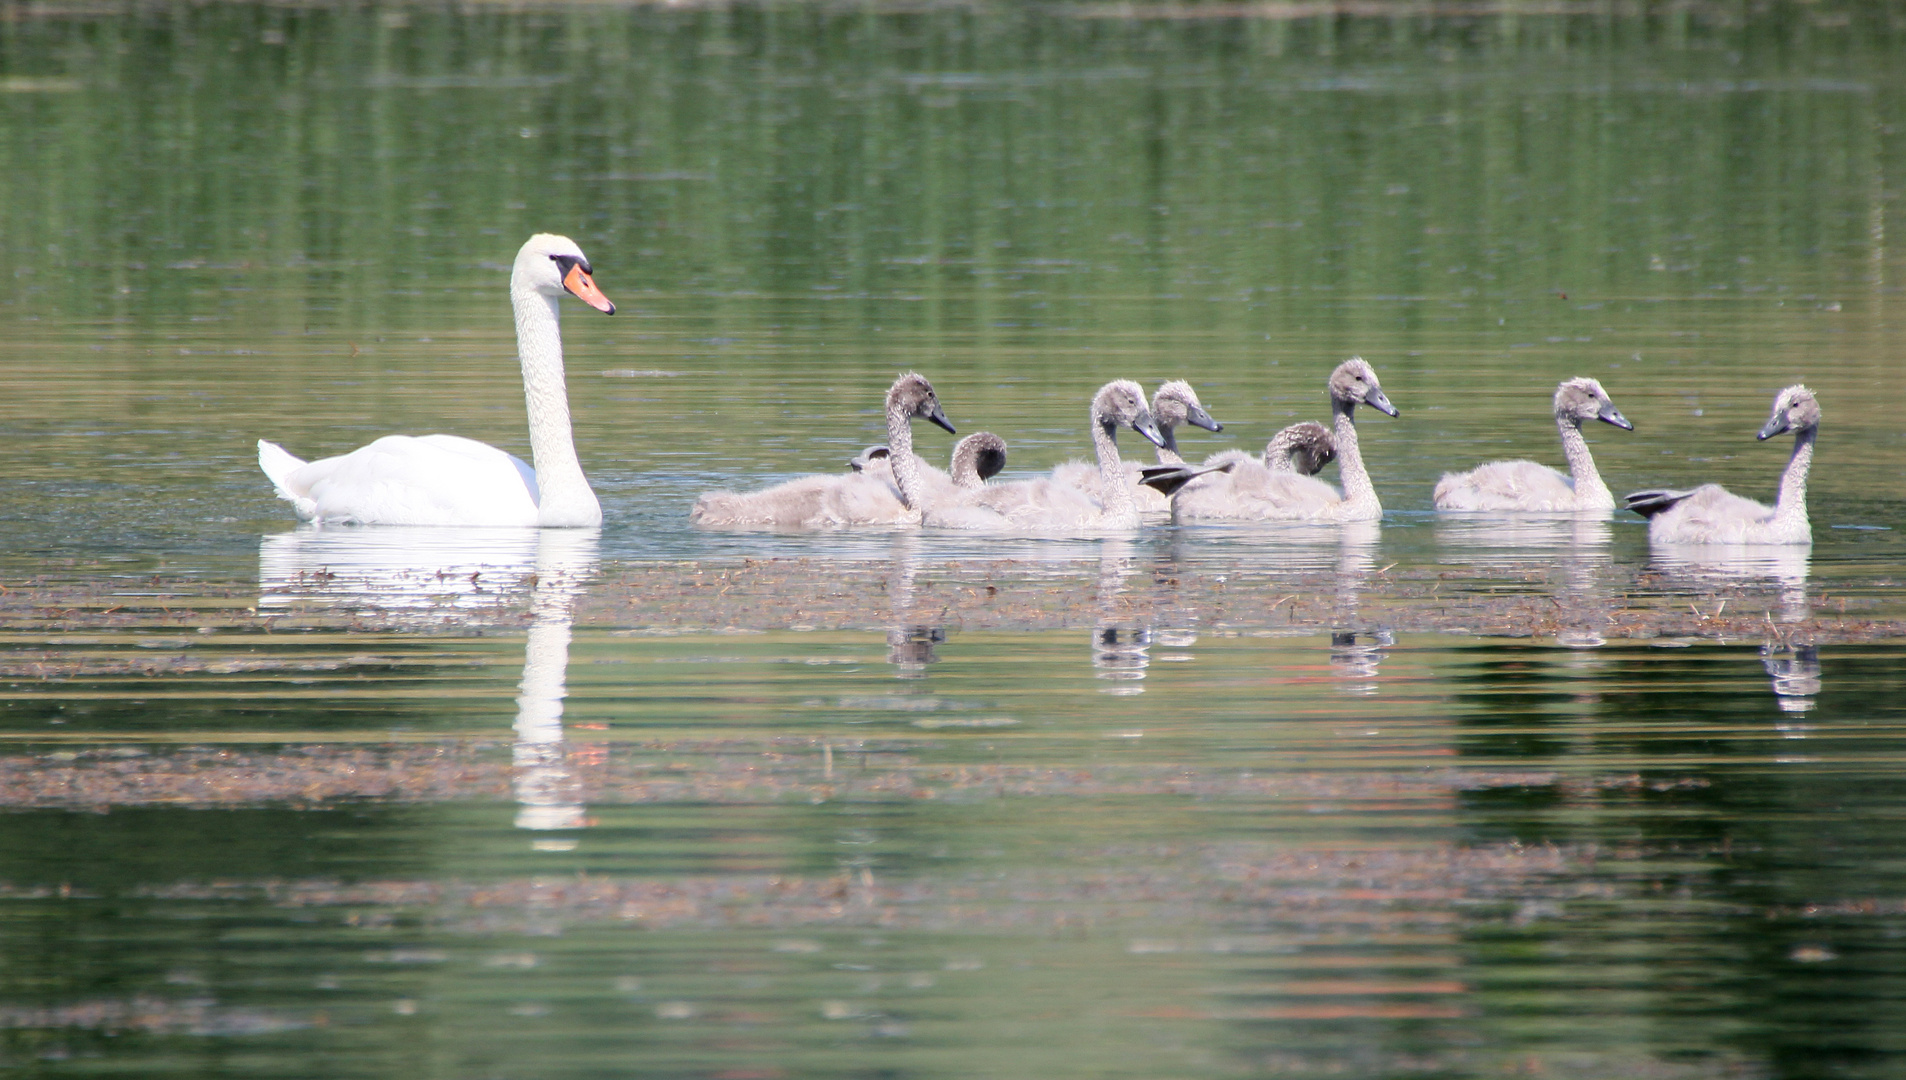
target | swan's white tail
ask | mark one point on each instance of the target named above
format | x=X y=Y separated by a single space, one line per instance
x=279 y=464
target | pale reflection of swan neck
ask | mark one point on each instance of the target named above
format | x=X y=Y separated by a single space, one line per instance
x=1121 y=648
x=911 y=645
x=544 y=787
x=1796 y=674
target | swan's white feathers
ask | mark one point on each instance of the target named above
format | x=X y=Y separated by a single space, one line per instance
x=449 y=480
x=409 y=480
x=1506 y=485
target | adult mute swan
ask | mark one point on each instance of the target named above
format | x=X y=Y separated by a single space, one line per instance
x=856 y=498
x=1525 y=485
x=449 y=480
x=1044 y=503
x=1710 y=514
x=1252 y=492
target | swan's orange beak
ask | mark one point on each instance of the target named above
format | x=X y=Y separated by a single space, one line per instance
x=583 y=288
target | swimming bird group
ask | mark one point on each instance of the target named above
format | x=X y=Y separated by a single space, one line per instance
x=448 y=480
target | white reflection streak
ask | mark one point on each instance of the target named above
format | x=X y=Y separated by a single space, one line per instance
x=1575 y=544
x=910 y=645
x=1356 y=662
x=546 y=791
x=1120 y=653
x=1796 y=674
x=1785 y=565
x=451 y=574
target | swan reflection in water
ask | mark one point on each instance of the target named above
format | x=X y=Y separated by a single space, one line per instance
x=1121 y=645
x=1576 y=545
x=1356 y=649
x=1796 y=674
x=455 y=573
x=911 y=645
x=1785 y=566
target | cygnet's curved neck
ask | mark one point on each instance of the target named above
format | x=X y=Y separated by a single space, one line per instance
x=1168 y=453
x=1590 y=492
x=1359 y=494
x=906 y=468
x=1791 y=506
x=563 y=494
x=1117 y=505
x=1277 y=454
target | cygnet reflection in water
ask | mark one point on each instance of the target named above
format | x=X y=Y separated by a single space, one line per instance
x=1570 y=550
x=1355 y=656
x=1121 y=649
x=1785 y=566
x=911 y=649
x=1796 y=673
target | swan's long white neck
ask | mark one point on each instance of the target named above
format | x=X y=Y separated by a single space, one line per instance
x=1359 y=494
x=563 y=495
x=1790 y=508
x=1590 y=492
x=906 y=468
x=1117 y=506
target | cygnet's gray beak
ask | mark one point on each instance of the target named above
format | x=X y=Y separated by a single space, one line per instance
x=1377 y=401
x=1146 y=426
x=1776 y=424
x=939 y=418
x=1611 y=415
x=1199 y=418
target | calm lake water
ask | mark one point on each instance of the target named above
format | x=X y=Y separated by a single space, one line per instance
x=1193 y=802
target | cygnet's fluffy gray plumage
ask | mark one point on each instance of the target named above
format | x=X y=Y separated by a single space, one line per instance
x=1252 y=492
x=1526 y=485
x=1175 y=403
x=976 y=459
x=1710 y=514
x=850 y=499
x=1045 y=504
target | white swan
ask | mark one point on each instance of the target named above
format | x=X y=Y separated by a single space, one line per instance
x=448 y=480
x=856 y=498
x=1252 y=492
x=1710 y=514
x=1526 y=485
x=1175 y=403
x=1045 y=503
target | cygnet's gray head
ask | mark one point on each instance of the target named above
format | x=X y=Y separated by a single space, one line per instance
x=1177 y=403
x=915 y=398
x=1355 y=383
x=1582 y=400
x=1795 y=409
x=1121 y=403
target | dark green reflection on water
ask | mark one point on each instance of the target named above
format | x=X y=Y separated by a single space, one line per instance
x=1291 y=856
x=806 y=853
